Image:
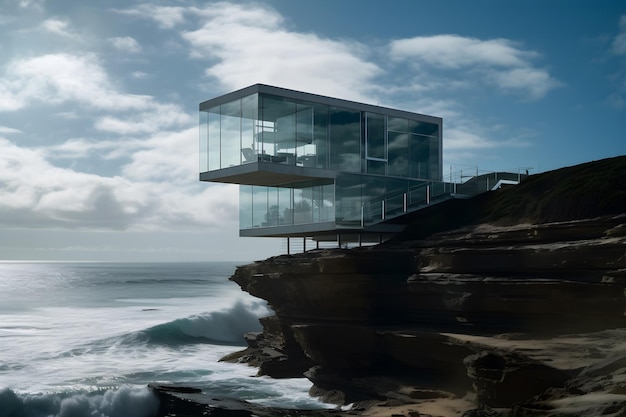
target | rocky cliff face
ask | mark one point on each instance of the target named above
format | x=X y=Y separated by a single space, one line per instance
x=503 y=320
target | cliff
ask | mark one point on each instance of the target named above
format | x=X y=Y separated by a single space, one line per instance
x=511 y=303
x=508 y=304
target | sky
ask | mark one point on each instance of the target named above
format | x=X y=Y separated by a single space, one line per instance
x=99 y=103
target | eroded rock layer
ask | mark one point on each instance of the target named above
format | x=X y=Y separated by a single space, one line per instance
x=479 y=313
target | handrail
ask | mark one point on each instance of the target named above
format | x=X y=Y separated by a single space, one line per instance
x=414 y=197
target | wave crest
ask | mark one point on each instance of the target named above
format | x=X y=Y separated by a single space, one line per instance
x=218 y=327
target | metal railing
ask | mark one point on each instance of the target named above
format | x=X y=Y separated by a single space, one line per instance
x=461 y=183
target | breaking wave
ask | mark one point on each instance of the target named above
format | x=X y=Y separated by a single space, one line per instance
x=125 y=401
x=218 y=327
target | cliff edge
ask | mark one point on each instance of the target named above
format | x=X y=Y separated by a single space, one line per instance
x=511 y=303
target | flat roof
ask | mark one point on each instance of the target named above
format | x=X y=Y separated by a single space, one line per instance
x=299 y=95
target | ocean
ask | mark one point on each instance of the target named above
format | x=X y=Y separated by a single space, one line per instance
x=85 y=339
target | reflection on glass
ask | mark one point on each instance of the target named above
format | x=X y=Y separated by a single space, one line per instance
x=375 y=136
x=348 y=200
x=376 y=167
x=245 y=206
x=285 y=202
x=214 y=138
x=249 y=126
x=398 y=151
x=345 y=139
x=317 y=155
x=423 y=128
x=230 y=125
x=259 y=206
x=397 y=124
x=204 y=142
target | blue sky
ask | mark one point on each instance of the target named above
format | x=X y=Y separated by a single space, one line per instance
x=98 y=103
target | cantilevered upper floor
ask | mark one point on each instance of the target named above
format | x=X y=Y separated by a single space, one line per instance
x=267 y=130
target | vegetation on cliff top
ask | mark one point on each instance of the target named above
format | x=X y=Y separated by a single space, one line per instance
x=588 y=190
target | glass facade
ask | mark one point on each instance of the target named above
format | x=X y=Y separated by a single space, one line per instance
x=375 y=154
x=262 y=206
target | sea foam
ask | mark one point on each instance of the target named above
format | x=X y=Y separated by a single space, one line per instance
x=125 y=401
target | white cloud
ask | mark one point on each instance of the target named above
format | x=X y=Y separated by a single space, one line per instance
x=8 y=130
x=619 y=43
x=471 y=137
x=32 y=4
x=160 y=116
x=57 y=27
x=252 y=45
x=157 y=192
x=453 y=51
x=126 y=44
x=166 y=16
x=495 y=61
x=57 y=78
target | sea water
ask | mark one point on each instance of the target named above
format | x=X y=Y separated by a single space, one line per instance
x=85 y=339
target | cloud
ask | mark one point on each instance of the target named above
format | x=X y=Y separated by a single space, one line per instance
x=166 y=16
x=4 y=130
x=58 y=78
x=495 y=61
x=249 y=44
x=160 y=116
x=32 y=4
x=158 y=190
x=619 y=43
x=57 y=27
x=126 y=44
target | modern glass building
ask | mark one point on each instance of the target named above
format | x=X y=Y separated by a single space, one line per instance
x=316 y=166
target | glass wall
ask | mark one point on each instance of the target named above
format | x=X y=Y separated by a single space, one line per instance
x=359 y=198
x=261 y=206
x=204 y=142
x=230 y=129
x=276 y=129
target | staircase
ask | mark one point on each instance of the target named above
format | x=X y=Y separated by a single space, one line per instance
x=415 y=198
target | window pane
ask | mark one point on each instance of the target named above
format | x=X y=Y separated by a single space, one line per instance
x=397 y=124
x=348 y=199
x=345 y=139
x=204 y=141
x=304 y=130
x=285 y=204
x=249 y=127
x=419 y=147
x=327 y=210
x=214 y=138
x=434 y=168
x=320 y=145
x=259 y=206
x=302 y=206
x=375 y=136
x=278 y=132
x=245 y=206
x=398 y=159
x=230 y=125
x=376 y=167
x=271 y=217
x=423 y=128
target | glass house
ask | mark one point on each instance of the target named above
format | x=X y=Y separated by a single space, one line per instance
x=315 y=166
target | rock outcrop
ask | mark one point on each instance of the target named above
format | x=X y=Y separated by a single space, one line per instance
x=482 y=313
